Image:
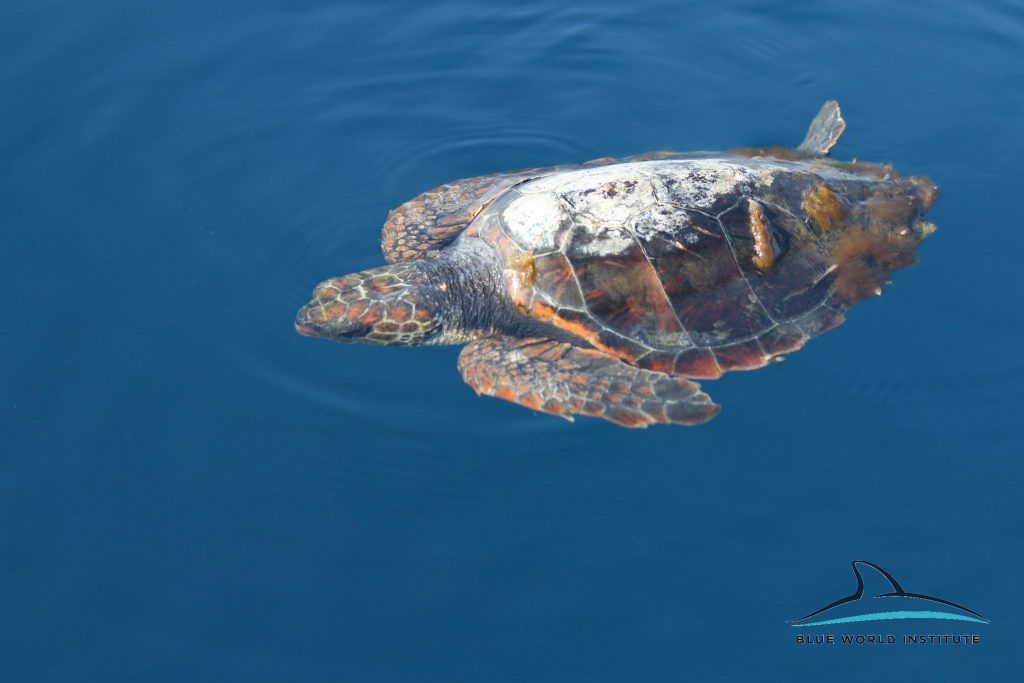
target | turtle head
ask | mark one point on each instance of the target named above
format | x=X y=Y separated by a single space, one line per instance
x=396 y=304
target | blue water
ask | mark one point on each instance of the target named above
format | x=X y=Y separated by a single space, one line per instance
x=191 y=491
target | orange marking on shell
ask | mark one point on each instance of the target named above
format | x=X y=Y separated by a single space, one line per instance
x=523 y=273
x=629 y=289
x=659 y=362
x=699 y=364
x=547 y=314
x=542 y=311
x=743 y=356
x=556 y=277
x=506 y=249
x=824 y=208
x=764 y=249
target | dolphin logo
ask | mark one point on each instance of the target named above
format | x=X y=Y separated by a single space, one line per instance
x=896 y=603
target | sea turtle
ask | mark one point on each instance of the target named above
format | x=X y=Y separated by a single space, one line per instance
x=604 y=288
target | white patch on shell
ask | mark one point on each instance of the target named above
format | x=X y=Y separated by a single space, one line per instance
x=611 y=201
x=662 y=219
x=602 y=240
x=609 y=205
x=533 y=220
x=602 y=207
x=699 y=180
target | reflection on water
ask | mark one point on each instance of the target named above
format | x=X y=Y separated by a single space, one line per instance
x=190 y=486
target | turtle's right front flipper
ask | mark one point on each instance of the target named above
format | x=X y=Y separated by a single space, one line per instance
x=564 y=380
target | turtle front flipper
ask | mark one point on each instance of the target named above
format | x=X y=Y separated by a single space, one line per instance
x=435 y=218
x=561 y=379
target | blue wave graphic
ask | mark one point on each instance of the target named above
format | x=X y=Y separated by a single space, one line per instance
x=902 y=614
x=886 y=586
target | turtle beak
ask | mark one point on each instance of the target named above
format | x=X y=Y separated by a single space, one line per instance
x=307 y=322
x=321 y=318
x=314 y=320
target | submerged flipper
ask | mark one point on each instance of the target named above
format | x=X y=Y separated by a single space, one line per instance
x=565 y=380
x=825 y=129
x=435 y=218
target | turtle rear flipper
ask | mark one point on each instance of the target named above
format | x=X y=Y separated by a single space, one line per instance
x=561 y=379
x=824 y=130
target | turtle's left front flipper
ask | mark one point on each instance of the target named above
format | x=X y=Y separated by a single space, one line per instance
x=564 y=380
x=433 y=220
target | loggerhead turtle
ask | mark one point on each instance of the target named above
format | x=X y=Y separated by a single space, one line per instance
x=604 y=288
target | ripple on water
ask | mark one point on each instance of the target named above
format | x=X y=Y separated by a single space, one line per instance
x=317 y=141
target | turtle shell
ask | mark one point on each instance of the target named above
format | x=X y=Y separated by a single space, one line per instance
x=694 y=266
